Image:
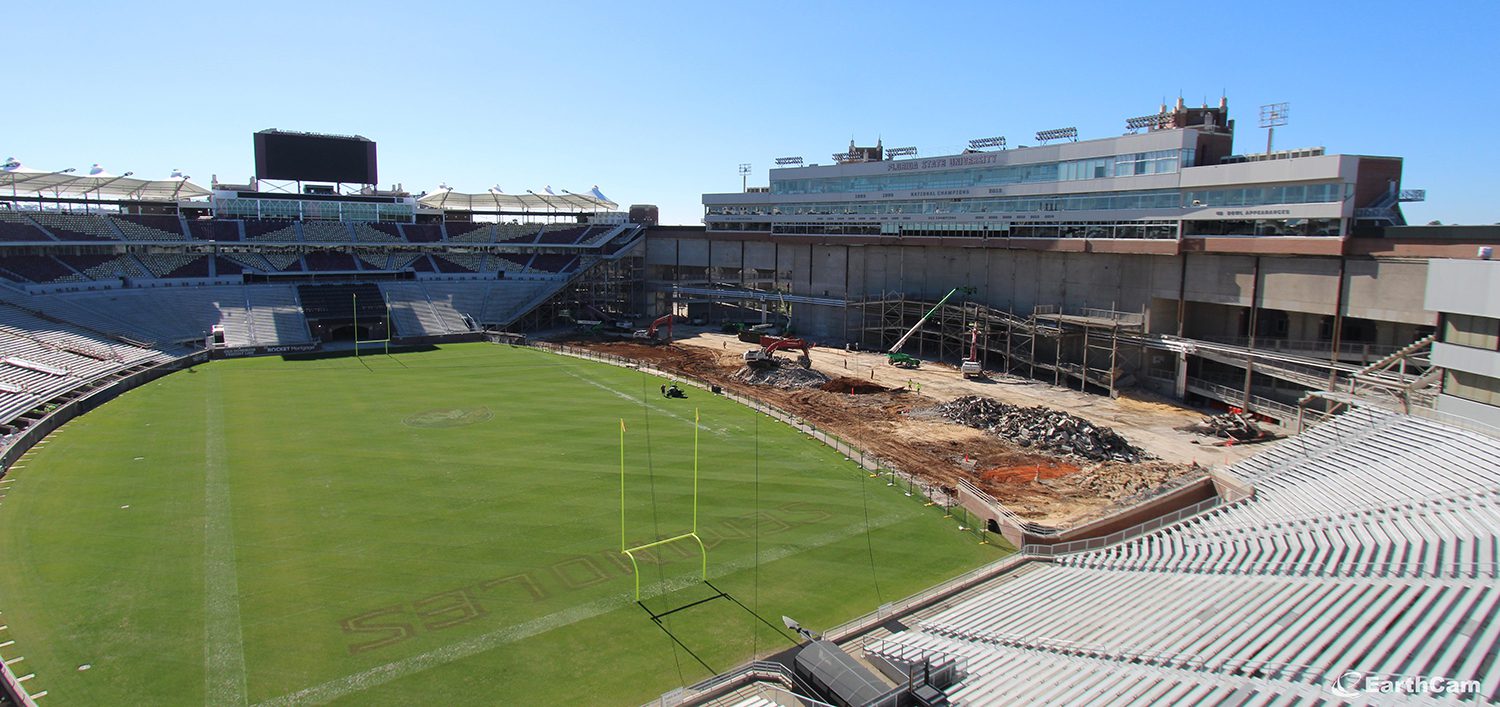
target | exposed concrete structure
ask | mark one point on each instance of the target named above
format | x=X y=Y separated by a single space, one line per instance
x=1467 y=293
x=1361 y=297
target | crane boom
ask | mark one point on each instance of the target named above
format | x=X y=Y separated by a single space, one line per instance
x=902 y=341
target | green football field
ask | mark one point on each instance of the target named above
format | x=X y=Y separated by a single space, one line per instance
x=435 y=527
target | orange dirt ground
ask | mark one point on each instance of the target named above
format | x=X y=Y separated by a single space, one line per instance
x=901 y=427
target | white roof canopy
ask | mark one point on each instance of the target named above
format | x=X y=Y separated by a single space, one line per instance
x=495 y=200
x=18 y=180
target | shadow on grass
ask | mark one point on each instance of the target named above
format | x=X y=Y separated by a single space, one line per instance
x=376 y=350
x=657 y=618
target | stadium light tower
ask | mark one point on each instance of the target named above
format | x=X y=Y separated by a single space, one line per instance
x=1145 y=121
x=1271 y=116
x=788 y=161
x=744 y=177
x=980 y=143
x=1043 y=136
x=895 y=152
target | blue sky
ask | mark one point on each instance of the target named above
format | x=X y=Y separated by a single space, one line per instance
x=659 y=102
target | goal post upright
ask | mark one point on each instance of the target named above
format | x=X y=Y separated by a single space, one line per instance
x=354 y=299
x=692 y=534
x=622 y=486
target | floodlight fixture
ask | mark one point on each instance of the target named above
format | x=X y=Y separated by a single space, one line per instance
x=1043 y=136
x=744 y=176
x=797 y=628
x=1273 y=115
x=842 y=157
x=895 y=152
x=788 y=161
x=981 y=143
x=1145 y=121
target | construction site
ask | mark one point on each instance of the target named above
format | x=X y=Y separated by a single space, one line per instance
x=905 y=417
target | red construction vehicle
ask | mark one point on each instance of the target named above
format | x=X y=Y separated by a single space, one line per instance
x=971 y=366
x=769 y=345
x=649 y=333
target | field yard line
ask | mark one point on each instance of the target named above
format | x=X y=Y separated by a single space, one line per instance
x=223 y=638
x=634 y=399
x=379 y=675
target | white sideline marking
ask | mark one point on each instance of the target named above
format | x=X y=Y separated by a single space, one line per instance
x=7 y=643
x=26 y=677
x=334 y=689
x=43 y=693
x=15 y=660
x=634 y=399
x=223 y=640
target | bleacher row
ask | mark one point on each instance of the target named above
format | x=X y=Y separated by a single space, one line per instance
x=176 y=319
x=433 y=308
x=52 y=227
x=53 y=343
x=42 y=358
x=1370 y=545
x=44 y=269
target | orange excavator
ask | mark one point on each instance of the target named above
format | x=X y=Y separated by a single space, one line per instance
x=769 y=345
x=649 y=333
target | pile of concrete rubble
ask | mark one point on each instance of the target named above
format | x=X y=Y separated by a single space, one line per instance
x=1231 y=425
x=783 y=376
x=1043 y=428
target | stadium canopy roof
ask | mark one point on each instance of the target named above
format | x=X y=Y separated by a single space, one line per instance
x=17 y=179
x=496 y=200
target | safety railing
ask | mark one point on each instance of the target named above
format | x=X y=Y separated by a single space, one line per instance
x=757 y=671
x=1126 y=318
x=889 y=610
x=1287 y=413
x=1459 y=421
x=1369 y=352
x=1119 y=536
x=1006 y=515
x=10 y=685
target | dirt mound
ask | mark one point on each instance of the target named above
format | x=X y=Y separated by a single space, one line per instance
x=781 y=377
x=1027 y=473
x=844 y=384
x=1118 y=481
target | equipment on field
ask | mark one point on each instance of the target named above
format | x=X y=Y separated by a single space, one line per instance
x=894 y=356
x=970 y=366
x=769 y=345
x=672 y=391
x=649 y=333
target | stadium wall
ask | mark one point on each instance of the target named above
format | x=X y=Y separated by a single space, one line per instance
x=1194 y=493
x=1074 y=275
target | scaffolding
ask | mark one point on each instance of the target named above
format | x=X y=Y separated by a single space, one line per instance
x=613 y=285
x=1078 y=348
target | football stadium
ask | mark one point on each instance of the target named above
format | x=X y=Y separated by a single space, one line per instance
x=1150 y=418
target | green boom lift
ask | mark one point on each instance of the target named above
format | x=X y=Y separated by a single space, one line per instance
x=894 y=357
